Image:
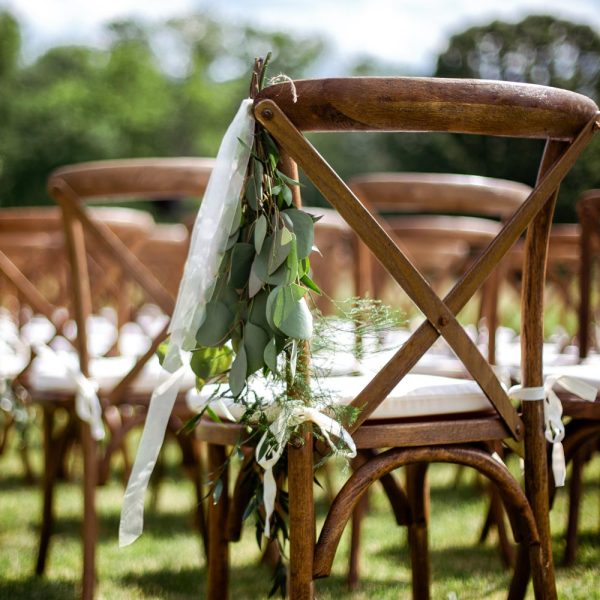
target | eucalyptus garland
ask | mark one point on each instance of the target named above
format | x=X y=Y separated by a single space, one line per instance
x=258 y=309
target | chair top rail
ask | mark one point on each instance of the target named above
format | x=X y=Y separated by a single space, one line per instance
x=433 y=104
x=440 y=192
x=46 y=219
x=150 y=178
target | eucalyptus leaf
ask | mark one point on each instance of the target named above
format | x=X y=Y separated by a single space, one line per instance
x=216 y=326
x=278 y=252
x=237 y=219
x=260 y=231
x=286 y=236
x=287 y=196
x=276 y=190
x=310 y=284
x=303 y=229
x=272 y=149
x=298 y=324
x=251 y=193
x=258 y=172
x=285 y=303
x=260 y=266
x=270 y=355
x=287 y=179
x=255 y=283
x=292 y=263
x=237 y=374
x=258 y=310
x=255 y=342
x=270 y=306
x=242 y=256
x=207 y=363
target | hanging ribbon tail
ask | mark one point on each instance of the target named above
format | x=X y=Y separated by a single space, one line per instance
x=212 y=229
x=87 y=403
x=213 y=226
x=280 y=429
x=554 y=428
x=161 y=405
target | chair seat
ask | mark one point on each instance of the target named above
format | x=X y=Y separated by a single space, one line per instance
x=588 y=370
x=49 y=373
x=415 y=396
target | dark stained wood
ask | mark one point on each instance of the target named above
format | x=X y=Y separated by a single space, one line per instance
x=418 y=535
x=383 y=435
x=302 y=518
x=440 y=316
x=218 y=547
x=512 y=494
x=428 y=104
x=532 y=337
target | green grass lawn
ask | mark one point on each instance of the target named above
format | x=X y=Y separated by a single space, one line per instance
x=166 y=562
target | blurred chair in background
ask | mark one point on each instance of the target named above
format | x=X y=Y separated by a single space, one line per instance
x=126 y=374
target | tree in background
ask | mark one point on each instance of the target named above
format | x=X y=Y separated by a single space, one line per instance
x=170 y=89
x=78 y=103
x=542 y=50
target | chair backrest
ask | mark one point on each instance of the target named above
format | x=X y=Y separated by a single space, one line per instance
x=567 y=120
x=440 y=221
x=588 y=213
x=144 y=179
x=33 y=260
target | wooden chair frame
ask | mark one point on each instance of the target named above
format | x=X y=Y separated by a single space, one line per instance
x=443 y=197
x=567 y=121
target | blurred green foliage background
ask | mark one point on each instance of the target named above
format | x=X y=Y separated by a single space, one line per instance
x=171 y=89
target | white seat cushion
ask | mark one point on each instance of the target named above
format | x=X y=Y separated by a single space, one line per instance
x=415 y=396
x=588 y=370
x=50 y=374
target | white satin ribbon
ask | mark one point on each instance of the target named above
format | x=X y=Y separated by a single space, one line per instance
x=161 y=405
x=285 y=418
x=211 y=233
x=87 y=403
x=555 y=430
x=209 y=239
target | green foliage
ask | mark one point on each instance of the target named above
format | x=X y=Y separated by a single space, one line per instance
x=542 y=50
x=74 y=104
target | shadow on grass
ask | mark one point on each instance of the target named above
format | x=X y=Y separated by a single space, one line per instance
x=246 y=583
x=38 y=588
x=162 y=524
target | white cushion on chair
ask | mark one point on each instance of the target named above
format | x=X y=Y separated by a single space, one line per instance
x=415 y=396
x=49 y=373
x=588 y=370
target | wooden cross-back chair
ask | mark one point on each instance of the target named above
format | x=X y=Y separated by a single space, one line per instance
x=448 y=220
x=582 y=433
x=567 y=121
x=72 y=187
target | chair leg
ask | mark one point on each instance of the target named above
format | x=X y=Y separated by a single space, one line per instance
x=218 y=548
x=418 y=495
x=521 y=574
x=575 y=488
x=357 y=518
x=191 y=464
x=302 y=519
x=90 y=524
x=49 y=480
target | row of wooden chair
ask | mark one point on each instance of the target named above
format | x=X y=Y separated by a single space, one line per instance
x=567 y=121
x=463 y=435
